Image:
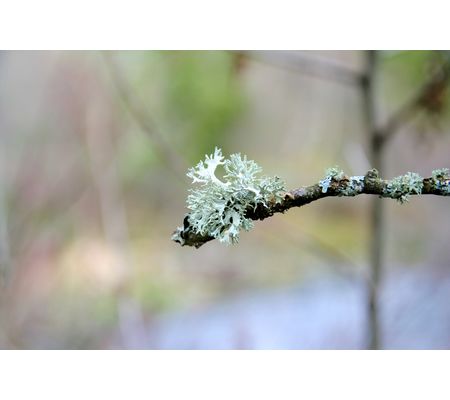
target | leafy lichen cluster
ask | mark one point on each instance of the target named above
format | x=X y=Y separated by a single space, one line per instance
x=354 y=186
x=218 y=206
x=441 y=173
x=442 y=180
x=348 y=186
x=334 y=173
x=403 y=186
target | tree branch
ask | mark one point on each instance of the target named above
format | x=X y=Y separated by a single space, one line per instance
x=138 y=111
x=314 y=66
x=399 y=188
x=425 y=98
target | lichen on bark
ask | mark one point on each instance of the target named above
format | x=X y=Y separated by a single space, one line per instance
x=220 y=209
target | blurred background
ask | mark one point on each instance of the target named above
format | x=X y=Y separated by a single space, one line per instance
x=94 y=147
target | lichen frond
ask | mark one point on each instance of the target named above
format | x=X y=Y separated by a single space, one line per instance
x=441 y=173
x=403 y=186
x=354 y=186
x=218 y=208
x=204 y=171
x=334 y=173
x=442 y=180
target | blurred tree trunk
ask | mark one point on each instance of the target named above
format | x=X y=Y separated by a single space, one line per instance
x=376 y=146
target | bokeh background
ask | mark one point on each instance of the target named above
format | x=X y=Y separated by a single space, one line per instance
x=94 y=147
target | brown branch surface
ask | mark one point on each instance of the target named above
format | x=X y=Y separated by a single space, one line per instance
x=373 y=185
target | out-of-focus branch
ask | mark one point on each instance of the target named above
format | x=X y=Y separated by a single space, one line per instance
x=319 y=246
x=427 y=97
x=172 y=159
x=5 y=256
x=317 y=67
x=376 y=244
x=5 y=241
x=345 y=186
x=431 y=91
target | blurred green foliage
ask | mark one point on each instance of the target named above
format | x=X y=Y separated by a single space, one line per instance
x=192 y=97
x=137 y=157
x=405 y=71
x=202 y=98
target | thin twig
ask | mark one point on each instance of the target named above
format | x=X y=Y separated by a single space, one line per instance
x=317 y=67
x=323 y=247
x=377 y=219
x=409 y=110
x=141 y=115
x=371 y=184
x=379 y=137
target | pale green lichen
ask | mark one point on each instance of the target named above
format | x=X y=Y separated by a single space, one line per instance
x=354 y=186
x=403 y=186
x=334 y=173
x=441 y=173
x=218 y=206
x=348 y=186
x=442 y=180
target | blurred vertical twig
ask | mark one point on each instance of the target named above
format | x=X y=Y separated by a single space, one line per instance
x=376 y=147
x=426 y=98
x=174 y=160
x=5 y=253
x=313 y=66
x=103 y=163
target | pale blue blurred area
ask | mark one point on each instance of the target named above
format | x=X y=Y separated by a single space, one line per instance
x=322 y=314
